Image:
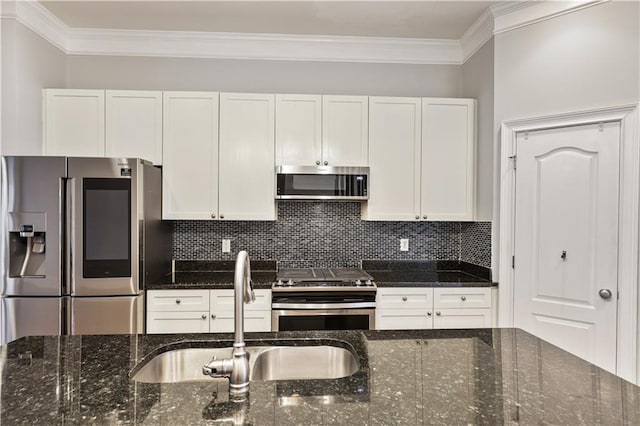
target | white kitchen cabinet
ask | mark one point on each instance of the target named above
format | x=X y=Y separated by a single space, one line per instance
x=345 y=130
x=73 y=122
x=422 y=159
x=204 y=311
x=448 y=159
x=134 y=124
x=394 y=159
x=246 y=162
x=401 y=308
x=298 y=130
x=190 y=155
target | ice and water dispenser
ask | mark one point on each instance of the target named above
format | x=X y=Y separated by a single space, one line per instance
x=27 y=243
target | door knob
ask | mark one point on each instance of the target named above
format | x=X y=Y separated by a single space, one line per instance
x=563 y=256
x=605 y=293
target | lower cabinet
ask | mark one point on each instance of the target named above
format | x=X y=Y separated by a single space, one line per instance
x=399 y=308
x=204 y=311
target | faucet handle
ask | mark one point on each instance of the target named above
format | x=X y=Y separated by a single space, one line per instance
x=252 y=294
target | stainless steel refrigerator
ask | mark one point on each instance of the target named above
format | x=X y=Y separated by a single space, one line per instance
x=80 y=238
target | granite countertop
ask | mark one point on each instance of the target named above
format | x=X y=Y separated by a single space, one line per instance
x=486 y=376
x=218 y=274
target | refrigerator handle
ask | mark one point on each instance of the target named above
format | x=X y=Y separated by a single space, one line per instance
x=69 y=206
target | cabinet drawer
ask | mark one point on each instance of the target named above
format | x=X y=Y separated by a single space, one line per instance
x=466 y=297
x=403 y=319
x=223 y=321
x=401 y=298
x=178 y=300
x=222 y=301
x=462 y=318
x=177 y=322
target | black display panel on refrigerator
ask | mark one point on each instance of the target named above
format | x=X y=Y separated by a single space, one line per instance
x=106 y=230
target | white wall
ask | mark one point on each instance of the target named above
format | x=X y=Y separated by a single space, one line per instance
x=582 y=60
x=477 y=83
x=117 y=72
x=29 y=64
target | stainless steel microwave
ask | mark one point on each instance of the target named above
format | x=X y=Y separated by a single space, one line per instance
x=322 y=183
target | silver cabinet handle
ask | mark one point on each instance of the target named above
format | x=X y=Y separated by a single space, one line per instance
x=438 y=313
x=428 y=314
x=424 y=217
x=605 y=293
x=213 y=216
x=318 y=163
x=221 y=216
x=404 y=298
x=178 y=301
x=213 y=316
x=417 y=216
x=463 y=298
x=326 y=163
x=204 y=316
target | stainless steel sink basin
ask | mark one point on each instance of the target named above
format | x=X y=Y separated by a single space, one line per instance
x=265 y=362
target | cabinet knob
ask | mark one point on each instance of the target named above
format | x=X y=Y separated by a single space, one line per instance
x=177 y=301
x=404 y=298
x=326 y=163
x=463 y=298
x=424 y=217
x=417 y=216
x=438 y=313
x=221 y=216
x=318 y=163
x=213 y=316
x=204 y=316
x=428 y=314
x=213 y=216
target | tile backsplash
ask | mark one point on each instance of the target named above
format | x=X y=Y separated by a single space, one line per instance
x=331 y=234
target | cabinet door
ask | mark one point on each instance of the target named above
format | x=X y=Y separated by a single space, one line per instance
x=462 y=318
x=345 y=130
x=298 y=129
x=177 y=322
x=74 y=122
x=190 y=155
x=247 y=163
x=448 y=159
x=134 y=124
x=394 y=158
x=403 y=319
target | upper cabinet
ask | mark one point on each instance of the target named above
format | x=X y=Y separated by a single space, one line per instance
x=448 y=159
x=322 y=130
x=98 y=123
x=247 y=175
x=422 y=159
x=134 y=124
x=190 y=155
x=74 y=122
x=298 y=130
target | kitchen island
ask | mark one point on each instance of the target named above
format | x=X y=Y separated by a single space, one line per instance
x=485 y=376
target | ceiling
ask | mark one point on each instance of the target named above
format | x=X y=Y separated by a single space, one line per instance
x=414 y=19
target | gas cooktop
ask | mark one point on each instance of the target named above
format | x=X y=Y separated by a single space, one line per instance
x=325 y=279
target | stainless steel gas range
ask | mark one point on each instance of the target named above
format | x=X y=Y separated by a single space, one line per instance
x=323 y=299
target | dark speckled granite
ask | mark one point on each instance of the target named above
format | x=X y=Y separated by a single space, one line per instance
x=484 y=377
x=429 y=273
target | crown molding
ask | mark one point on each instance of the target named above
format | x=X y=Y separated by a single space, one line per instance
x=504 y=16
x=480 y=32
x=263 y=46
x=513 y=14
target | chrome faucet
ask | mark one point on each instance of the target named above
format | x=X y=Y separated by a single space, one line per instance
x=236 y=368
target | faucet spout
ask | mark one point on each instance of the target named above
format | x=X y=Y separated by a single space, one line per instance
x=236 y=368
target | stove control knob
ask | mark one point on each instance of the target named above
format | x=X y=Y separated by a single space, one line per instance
x=279 y=283
x=369 y=283
x=358 y=282
x=290 y=282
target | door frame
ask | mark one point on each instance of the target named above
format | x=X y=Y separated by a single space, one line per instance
x=627 y=363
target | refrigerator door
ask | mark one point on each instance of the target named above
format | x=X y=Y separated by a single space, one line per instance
x=103 y=226
x=32 y=225
x=106 y=315
x=31 y=316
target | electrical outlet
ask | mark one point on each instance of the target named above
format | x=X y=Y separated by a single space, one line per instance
x=404 y=244
x=226 y=246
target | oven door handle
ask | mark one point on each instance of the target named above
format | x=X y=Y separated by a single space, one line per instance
x=354 y=305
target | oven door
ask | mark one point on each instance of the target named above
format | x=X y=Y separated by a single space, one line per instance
x=322 y=319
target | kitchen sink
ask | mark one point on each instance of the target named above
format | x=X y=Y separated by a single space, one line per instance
x=265 y=362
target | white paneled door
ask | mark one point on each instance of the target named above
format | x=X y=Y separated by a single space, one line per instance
x=566 y=238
